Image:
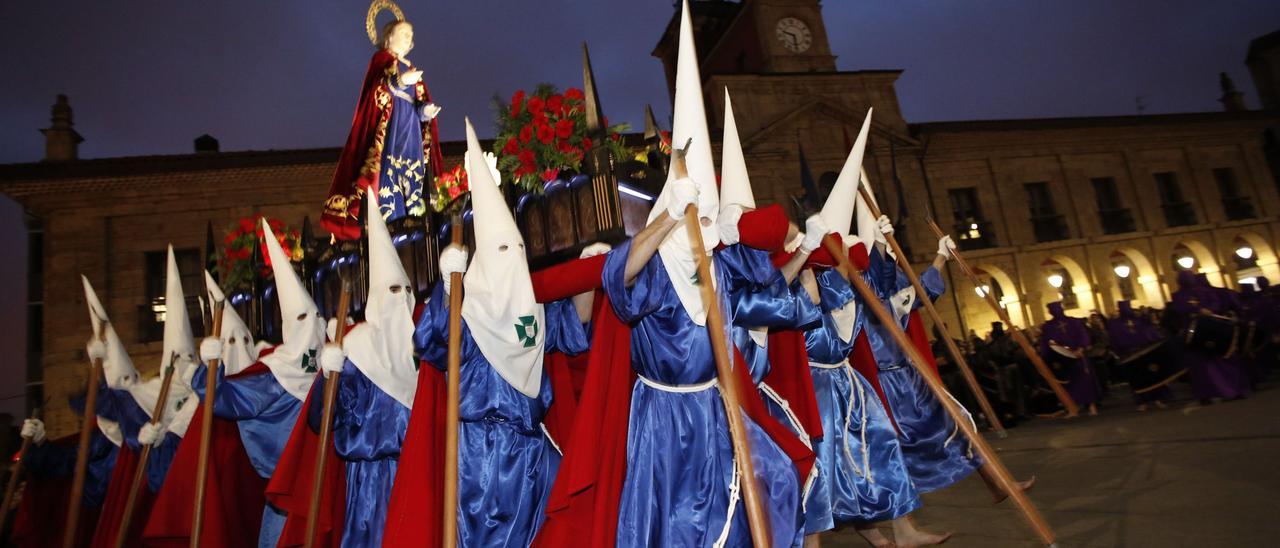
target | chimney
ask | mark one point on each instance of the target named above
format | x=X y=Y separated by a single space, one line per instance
x=1232 y=100
x=206 y=144
x=61 y=142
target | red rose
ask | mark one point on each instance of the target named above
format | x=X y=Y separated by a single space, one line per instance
x=555 y=104
x=564 y=128
x=540 y=119
x=517 y=101
x=526 y=159
x=565 y=146
x=246 y=224
x=549 y=174
x=276 y=225
x=545 y=134
x=573 y=94
x=512 y=146
x=586 y=142
x=526 y=133
x=536 y=104
x=454 y=191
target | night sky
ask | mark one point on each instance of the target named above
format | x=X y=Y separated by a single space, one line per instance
x=148 y=77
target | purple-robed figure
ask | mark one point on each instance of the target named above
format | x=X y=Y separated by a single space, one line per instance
x=1212 y=376
x=1071 y=333
x=1131 y=333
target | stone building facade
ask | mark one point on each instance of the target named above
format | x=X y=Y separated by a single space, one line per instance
x=1030 y=201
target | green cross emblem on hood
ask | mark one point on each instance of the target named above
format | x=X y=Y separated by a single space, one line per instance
x=527 y=331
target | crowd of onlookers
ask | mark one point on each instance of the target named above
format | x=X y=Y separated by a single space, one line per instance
x=1017 y=391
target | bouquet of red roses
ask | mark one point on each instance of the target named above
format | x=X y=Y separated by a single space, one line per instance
x=544 y=133
x=450 y=185
x=235 y=263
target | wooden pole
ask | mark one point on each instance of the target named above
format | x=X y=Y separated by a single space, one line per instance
x=82 y=450
x=988 y=455
x=452 y=400
x=1015 y=332
x=14 y=472
x=326 y=421
x=140 y=473
x=206 y=430
x=730 y=392
x=923 y=297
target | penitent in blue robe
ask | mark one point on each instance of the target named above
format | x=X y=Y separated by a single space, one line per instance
x=56 y=460
x=681 y=482
x=508 y=462
x=368 y=432
x=760 y=298
x=864 y=475
x=119 y=406
x=265 y=414
x=937 y=453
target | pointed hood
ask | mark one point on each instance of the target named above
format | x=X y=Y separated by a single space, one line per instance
x=293 y=362
x=177 y=325
x=501 y=312
x=735 y=185
x=238 y=350
x=382 y=347
x=689 y=125
x=837 y=213
x=116 y=367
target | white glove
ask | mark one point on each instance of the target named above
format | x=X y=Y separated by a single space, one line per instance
x=95 y=350
x=945 y=246
x=452 y=259
x=885 y=226
x=332 y=357
x=210 y=349
x=814 y=231
x=598 y=248
x=430 y=111
x=728 y=223
x=492 y=161
x=151 y=433
x=683 y=194
x=33 y=429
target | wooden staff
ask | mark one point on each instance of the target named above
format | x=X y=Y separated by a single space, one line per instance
x=923 y=297
x=140 y=473
x=82 y=450
x=1018 y=335
x=988 y=455
x=326 y=421
x=452 y=399
x=14 y=472
x=206 y=430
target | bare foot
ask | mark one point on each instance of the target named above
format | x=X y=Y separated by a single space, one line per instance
x=915 y=537
x=1160 y=404
x=874 y=537
x=1142 y=408
x=1023 y=486
x=1093 y=410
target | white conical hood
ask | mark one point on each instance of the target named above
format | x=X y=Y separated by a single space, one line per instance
x=689 y=125
x=735 y=185
x=382 y=347
x=116 y=366
x=498 y=305
x=238 y=350
x=293 y=362
x=177 y=325
x=837 y=213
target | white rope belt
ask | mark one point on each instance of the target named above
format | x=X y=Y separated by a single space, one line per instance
x=842 y=363
x=678 y=388
x=857 y=398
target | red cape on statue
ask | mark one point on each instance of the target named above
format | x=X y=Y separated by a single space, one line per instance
x=42 y=514
x=104 y=536
x=360 y=162
x=234 y=490
x=415 y=512
x=290 y=487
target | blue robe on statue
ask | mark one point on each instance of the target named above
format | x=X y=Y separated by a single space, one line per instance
x=681 y=484
x=761 y=299
x=508 y=461
x=368 y=431
x=864 y=474
x=265 y=414
x=404 y=167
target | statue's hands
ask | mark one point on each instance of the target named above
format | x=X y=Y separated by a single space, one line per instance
x=411 y=77
x=431 y=110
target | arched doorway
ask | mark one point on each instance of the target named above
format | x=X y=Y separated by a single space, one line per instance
x=1196 y=257
x=1136 y=278
x=978 y=314
x=1064 y=276
x=1253 y=258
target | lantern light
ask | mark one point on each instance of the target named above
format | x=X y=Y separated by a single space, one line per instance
x=1055 y=280
x=1122 y=270
x=1244 y=252
x=1186 y=261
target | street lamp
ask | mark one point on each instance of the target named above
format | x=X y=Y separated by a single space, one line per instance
x=1122 y=270
x=1244 y=252
x=1055 y=280
x=1186 y=261
x=982 y=291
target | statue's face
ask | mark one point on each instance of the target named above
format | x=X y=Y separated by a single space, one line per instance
x=401 y=39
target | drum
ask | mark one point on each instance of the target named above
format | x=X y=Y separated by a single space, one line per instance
x=1212 y=334
x=1152 y=367
x=1064 y=363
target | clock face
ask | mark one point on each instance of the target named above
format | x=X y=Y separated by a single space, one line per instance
x=793 y=34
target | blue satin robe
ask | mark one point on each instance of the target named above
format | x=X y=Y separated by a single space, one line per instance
x=760 y=298
x=368 y=432
x=864 y=475
x=937 y=453
x=265 y=414
x=119 y=406
x=404 y=165
x=52 y=460
x=680 y=466
x=508 y=461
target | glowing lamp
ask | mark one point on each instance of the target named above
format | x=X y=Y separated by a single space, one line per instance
x=1055 y=280
x=1122 y=270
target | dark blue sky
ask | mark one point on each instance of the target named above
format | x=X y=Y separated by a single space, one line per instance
x=148 y=77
